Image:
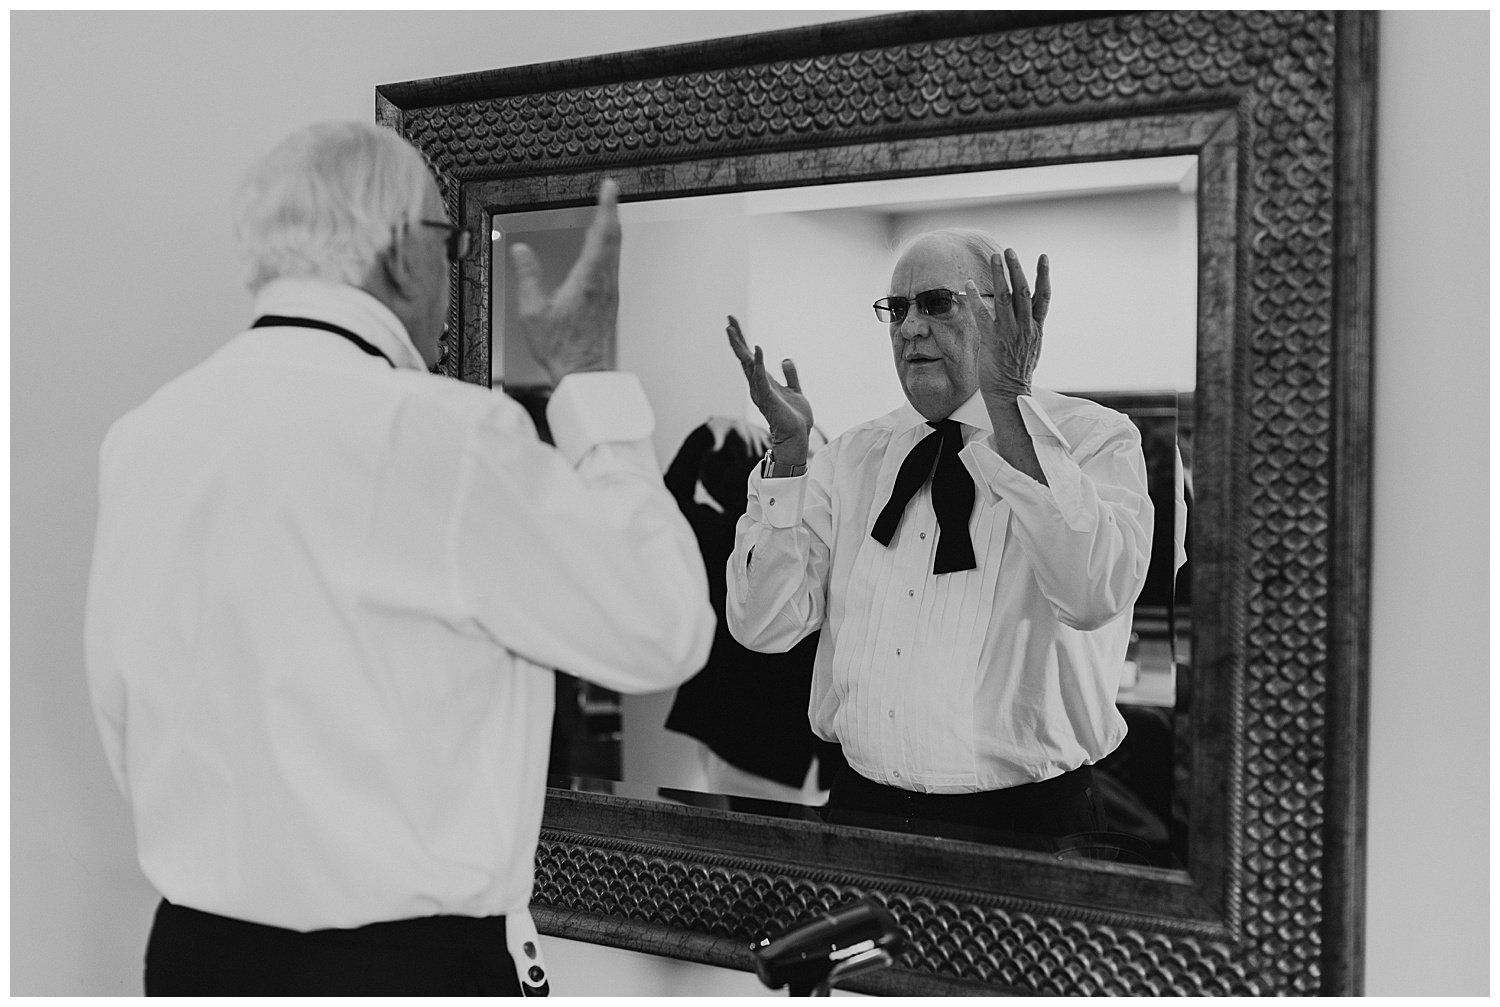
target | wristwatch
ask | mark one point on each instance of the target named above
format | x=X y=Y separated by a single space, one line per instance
x=772 y=469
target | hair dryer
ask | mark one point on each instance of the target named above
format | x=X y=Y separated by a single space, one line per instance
x=855 y=937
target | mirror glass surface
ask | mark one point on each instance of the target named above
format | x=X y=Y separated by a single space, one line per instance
x=800 y=268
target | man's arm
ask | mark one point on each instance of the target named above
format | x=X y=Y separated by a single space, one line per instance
x=579 y=559
x=1011 y=438
x=1083 y=517
x=1087 y=530
x=778 y=573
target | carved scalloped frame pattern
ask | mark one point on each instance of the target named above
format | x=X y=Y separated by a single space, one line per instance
x=998 y=944
x=1278 y=71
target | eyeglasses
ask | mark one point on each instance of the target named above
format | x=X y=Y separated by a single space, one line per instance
x=934 y=303
x=460 y=240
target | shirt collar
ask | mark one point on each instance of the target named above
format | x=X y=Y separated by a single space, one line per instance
x=1034 y=413
x=354 y=309
x=971 y=413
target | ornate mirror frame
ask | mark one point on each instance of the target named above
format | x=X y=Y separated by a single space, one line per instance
x=1279 y=108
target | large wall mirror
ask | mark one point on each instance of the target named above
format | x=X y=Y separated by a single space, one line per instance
x=803 y=265
x=1200 y=182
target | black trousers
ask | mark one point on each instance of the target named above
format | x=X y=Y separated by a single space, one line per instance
x=1032 y=816
x=193 y=953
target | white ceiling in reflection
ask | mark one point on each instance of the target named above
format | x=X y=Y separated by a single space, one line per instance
x=898 y=195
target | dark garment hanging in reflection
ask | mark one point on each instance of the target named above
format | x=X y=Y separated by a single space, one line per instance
x=749 y=708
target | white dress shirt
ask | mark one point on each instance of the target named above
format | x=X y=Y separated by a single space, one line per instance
x=978 y=680
x=326 y=598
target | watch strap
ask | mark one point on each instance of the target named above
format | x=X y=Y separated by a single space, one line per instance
x=772 y=469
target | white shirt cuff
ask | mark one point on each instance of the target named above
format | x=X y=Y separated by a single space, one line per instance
x=780 y=499
x=589 y=408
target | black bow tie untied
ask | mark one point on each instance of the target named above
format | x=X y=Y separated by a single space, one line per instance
x=952 y=496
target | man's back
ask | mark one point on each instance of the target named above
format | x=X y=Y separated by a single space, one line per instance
x=276 y=622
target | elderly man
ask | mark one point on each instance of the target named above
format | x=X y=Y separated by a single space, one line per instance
x=328 y=586
x=971 y=559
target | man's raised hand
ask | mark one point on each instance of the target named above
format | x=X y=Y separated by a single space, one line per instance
x=573 y=329
x=1011 y=339
x=786 y=409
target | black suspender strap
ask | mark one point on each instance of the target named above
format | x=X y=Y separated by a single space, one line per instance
x=266 y=321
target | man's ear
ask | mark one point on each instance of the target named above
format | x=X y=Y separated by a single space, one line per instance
x=398 y=268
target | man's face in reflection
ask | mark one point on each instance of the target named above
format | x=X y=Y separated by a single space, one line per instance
x=937 y=355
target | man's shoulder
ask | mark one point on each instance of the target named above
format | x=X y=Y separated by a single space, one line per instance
x=464 y=403
x=161 y=405
x=1083 y=422
x=858 y=446
x=858 y=441
x=431 y=401
x=879 y=428
x=1063 y=408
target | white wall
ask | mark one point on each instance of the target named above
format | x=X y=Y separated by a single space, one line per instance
x=671 y=328
x=1429 y=840
x=128 y=131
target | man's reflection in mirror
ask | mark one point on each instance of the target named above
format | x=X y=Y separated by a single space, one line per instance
x=969 y=562
x=746 y=711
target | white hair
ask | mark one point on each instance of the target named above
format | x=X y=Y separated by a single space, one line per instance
x=327 y=201
x=979 y=245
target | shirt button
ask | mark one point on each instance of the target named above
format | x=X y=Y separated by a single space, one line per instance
x=898 y=651
x=891 y=714
x=896 y=774
x=773 y=501
x=911 y=593
x=923 y=535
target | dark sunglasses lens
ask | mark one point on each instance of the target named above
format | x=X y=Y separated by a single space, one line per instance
x=936 y=303
x=892 y=309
